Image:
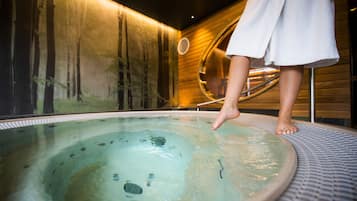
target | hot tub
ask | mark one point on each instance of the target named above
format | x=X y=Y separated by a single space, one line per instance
x=151 y=156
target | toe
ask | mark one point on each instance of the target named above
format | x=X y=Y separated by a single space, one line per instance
x=280 y=131
x=286 y=131
x=294 y=130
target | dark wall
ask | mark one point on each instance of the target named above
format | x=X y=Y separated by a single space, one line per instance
x=353 y=35
x=74 y=56
x=5 y=57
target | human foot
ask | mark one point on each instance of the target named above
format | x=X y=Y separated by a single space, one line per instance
x=225 y=114
x=285 y=127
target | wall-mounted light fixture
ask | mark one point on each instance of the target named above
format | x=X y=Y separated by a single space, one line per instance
x=183 y=46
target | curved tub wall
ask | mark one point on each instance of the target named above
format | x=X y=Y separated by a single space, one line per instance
x=69 y=162
x=64 y=154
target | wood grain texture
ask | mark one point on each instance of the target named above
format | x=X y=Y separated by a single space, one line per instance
x=332 y=83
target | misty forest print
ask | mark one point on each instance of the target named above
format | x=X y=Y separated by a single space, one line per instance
x=74 y=56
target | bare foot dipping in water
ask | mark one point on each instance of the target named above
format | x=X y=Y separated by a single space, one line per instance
x=239 y=69
x=225 y=114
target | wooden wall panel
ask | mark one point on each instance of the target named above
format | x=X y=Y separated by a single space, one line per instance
x=332 y=83
x=333 y=94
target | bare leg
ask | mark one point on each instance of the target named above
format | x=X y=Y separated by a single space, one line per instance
x=290 y=82
x=238 y=73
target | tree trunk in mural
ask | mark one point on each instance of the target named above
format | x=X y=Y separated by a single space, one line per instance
x=70 y=17
x=68 y=49
x=36 y=41
x=165 y=71
x=145 y=86
x=160 y=54
x=5 y=57
x=128 y=70
x=120 y=60
x=78 y=67
x=73 y=79
x=68 y=79
x=51 y=58
x=22 y=55
x=79 y=19
x=163 y=76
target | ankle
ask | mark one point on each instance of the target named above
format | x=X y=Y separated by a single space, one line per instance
x=285 y=117
x=230 y=102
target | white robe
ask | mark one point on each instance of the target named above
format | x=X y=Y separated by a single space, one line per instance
x=286 y=33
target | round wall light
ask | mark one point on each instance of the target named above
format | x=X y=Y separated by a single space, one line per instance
x=183 y=46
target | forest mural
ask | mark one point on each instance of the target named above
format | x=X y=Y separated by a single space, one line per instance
x=73 y=56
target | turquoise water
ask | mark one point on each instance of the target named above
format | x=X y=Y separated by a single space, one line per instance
x=170 y=158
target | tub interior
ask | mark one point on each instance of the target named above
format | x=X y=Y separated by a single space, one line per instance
x=168 y=158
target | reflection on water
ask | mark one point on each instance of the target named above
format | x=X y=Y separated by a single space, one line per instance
x=159 y=159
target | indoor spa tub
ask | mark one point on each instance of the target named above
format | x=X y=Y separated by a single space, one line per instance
x=148 y=156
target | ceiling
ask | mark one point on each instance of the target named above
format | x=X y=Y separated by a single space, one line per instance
x=177 y=13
